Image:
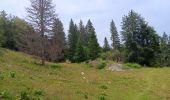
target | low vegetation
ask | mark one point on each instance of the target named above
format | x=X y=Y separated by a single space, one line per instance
x=78 y=81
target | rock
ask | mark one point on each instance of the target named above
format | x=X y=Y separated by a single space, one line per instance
x=115 y=67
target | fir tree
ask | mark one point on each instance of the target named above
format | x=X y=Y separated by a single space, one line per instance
x=83 y=34
x=58 y=41
x=141 y=41
x=93 y=46
x=80 y=54
x=72 y=40
x=106 y=46
x=114 y=36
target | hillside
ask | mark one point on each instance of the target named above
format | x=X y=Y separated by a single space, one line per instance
x=21 y=77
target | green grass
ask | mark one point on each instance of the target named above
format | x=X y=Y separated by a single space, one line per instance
x=65 y=81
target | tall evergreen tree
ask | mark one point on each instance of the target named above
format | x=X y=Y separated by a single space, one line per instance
x=72 y=40
x=114 y=36
x=80 y=54
x=8 y=40
x=168 y=59
x=83 y=34
x=141 y=40
x=58 y=41
x=93 y=46
x=106 y=46
x=164 y=49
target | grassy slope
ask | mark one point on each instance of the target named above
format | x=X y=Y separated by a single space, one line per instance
x=67 y=83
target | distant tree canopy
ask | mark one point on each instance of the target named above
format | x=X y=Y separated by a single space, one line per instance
x=46 y=38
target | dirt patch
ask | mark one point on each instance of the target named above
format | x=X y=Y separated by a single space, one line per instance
x=115 y=67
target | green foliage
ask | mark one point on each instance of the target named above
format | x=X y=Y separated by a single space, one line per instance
x=114 y=36
x=106 y=46
x=12 y=74
x=132 y=65
x=93 y=45
x=86 y=96
x=56 y=66
x=1 y=76
x=102 y=96
x=80 y=54
x=104 y=87
x=29 y=94
x=72 y=40
x=141 y=40
x=38 y=92
x=101 y=65
x=5 y=95
x=113 y=55
x=24 y=95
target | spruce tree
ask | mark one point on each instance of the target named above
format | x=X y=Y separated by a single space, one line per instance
x=93 y=46
x=140 y=40
x=80 y=54
x=72 y=40
x=164 y=49
x=106 y=46
x=83 y=34
x=114 y=36
x=168 y=52
x=58 y=41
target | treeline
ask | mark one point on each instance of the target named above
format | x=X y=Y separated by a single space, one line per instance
x=139 y=42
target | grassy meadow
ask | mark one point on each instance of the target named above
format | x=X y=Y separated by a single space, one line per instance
x=22 y=78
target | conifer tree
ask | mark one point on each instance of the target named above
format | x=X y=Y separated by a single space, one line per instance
x=58 y=41
x=141 y=41
x=72 y=40
x=80 y=54
x=164 y=49
x=106 y=46
x=114 y=36
x=83 y=34
x=93 y=46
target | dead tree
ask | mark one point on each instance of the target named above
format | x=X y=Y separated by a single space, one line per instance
x=41 y=14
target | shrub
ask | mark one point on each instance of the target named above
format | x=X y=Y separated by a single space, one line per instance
x=5 y=95
x=1 y=77
x=103 y=87
x=12 y=74
x=132 y=65
x=24 y=96
x=55 y=66
x=85 y=96
x=38 y=92
x=101 y=65
x=103 y=96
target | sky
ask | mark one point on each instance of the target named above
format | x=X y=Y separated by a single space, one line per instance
x=101 y=12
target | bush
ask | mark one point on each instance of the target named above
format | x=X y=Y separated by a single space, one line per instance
x=103 y=96
x=5 y=95
x=24 y=96
x=85 y=96
x=132 y=65
x=1 y=77
x=12 y=74
x=103 y=87
x=28 y=94
x=101 y=65
x=55 y=66
x=38 y=92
